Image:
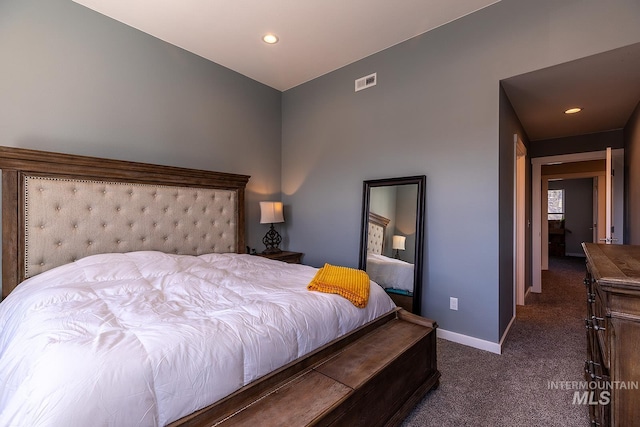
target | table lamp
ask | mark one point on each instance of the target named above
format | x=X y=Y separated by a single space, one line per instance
x=270 y=213
x=398 y=245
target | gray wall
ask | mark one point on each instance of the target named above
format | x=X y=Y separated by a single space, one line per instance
x=406 y=209
x=75 y=81
x=399 y=204
x=632 y=178
x=578 y=199
x=434 y=111
x=510 y=125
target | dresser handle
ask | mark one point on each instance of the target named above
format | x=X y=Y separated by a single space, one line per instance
x=588 y=369
x=591 y=363
x=591 y=324
x=594 y=322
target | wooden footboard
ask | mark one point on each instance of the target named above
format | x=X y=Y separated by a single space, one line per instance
x=370 y=377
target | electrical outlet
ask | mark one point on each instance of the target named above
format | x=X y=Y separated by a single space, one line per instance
x=453 y=303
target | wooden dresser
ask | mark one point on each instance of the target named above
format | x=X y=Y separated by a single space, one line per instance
x=613 y=333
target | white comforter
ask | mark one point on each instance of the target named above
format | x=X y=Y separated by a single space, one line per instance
x=390 y=272
x=145 y=338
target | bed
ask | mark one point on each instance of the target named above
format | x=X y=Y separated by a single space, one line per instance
x=393 y=274
x=128 y=300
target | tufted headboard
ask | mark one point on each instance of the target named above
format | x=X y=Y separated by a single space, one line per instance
x=376 y=232
x=58 y=207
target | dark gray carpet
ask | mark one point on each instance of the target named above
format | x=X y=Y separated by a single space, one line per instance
x=547 y=343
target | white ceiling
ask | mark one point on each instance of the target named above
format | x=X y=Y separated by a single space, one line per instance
x=316 y=37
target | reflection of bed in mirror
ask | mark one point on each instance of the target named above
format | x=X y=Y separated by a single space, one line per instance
x=394 y=275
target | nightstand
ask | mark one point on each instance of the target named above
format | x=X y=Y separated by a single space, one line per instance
x=285 y=256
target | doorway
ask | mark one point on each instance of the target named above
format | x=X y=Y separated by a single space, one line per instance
x=572 y=222
x=540 y=231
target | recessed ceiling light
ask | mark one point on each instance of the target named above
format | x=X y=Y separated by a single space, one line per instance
x=573 y=110
x=270 y=38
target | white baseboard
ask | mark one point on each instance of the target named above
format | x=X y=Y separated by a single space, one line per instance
x=506 y=331
x=471 y=341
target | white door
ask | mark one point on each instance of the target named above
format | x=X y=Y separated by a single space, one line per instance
x=617 y=196
x=609 y=201
x=519 y=220
x=614 y=189
x=595 y=210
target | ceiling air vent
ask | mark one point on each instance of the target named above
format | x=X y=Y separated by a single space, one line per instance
x=366 y=81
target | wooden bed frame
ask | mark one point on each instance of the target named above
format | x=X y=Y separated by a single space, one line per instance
x=371 y=376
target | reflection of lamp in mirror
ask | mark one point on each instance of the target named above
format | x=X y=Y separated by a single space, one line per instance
x=398 y=245
x=270 y=213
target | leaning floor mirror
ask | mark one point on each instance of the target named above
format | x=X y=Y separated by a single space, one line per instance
x=392 y=237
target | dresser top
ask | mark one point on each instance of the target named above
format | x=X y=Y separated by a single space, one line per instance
x=616 y=266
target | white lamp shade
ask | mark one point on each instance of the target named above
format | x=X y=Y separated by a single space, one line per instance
x=271 y=212
x=398 y=242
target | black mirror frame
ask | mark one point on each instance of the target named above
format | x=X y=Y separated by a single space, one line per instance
x=420 y=180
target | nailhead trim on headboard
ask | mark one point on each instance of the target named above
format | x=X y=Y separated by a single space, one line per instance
x=67 y=219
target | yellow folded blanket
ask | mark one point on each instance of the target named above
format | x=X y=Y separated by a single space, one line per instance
x=347 y=282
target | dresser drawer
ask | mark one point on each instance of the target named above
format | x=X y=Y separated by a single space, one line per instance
x=601 y=327
x=597 y=321
x=594 y=367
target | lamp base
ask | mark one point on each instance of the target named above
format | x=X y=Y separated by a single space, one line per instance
x=272 y=241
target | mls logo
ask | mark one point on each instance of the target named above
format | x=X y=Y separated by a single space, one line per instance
x=589 y=398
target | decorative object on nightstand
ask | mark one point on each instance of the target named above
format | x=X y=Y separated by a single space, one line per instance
x=270 y=213
x=398 y=245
